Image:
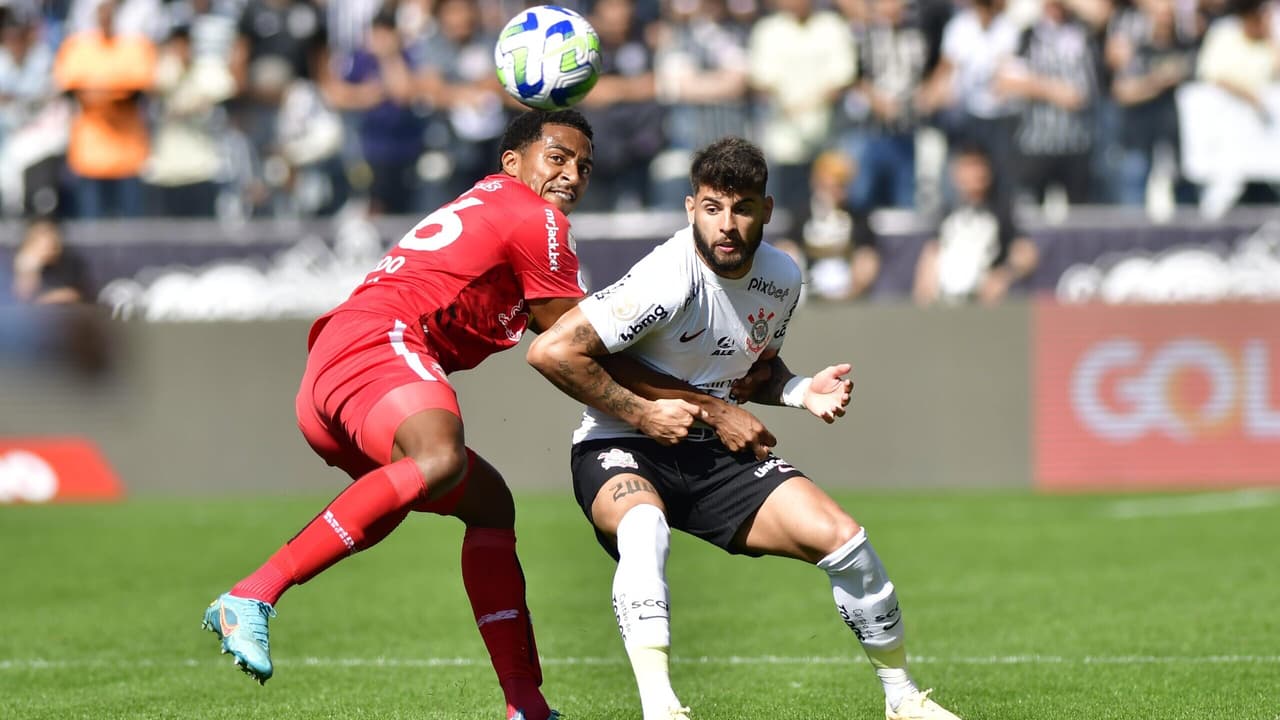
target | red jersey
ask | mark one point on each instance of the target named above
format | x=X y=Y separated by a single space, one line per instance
x=462 y=275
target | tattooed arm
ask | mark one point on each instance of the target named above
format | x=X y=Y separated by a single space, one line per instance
x=566 y=355
x=737 y=428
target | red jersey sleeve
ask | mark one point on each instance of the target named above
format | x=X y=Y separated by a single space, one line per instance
x=540 y=253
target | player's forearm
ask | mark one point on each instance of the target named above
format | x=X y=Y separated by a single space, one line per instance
x=653 y=385
x=770 y=391
x=586 y=381
x=566 y=359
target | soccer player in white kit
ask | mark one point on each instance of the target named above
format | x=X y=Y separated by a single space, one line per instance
x=703 y=307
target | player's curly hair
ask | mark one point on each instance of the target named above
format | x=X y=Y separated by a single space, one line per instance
x=526 y=127
x=730 y=164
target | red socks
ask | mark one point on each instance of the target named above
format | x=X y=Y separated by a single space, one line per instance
x=360 y=517
x=365 y=513
x=495 y=585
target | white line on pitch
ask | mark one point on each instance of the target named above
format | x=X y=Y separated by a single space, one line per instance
x=1191 y=504
x=436 y=662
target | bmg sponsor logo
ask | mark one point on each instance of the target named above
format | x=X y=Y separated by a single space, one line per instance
x=655 y=314
x=1182 y=389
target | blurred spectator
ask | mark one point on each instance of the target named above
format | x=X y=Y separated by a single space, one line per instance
x=107 y=74
x=743 y=15
x=836 y=245
x=624 y=111
x=933 y=16
x=456 y=75
x=278 y=41
x=46 y=319
x=976 y=41
x=132 y=17
x=701 y=73
x=280 y=51
x=1151 y=54
x=892 y=54
x=1053 y=73
x=33 y=124
x=414 y=20
x=1241 y=54
x=45 y=271
x=309 y=141
x=211 y=25
x=376 y=81
x=348 y=22
x=186 y=158
x=802 y=61
x=978 y=251
x=1209 y=11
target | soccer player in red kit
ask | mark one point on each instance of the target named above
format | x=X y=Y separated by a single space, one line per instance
x=376 y=402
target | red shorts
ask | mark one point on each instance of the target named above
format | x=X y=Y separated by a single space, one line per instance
x=365 y=375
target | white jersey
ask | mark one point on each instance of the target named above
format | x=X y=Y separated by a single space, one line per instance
x=675 y=315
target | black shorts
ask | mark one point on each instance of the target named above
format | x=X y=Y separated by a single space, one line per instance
x=709 y=491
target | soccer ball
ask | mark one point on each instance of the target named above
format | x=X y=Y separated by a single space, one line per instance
x=548 y=57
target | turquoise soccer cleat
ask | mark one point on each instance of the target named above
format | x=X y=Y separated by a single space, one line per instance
x=555 y=715
x=242 y=625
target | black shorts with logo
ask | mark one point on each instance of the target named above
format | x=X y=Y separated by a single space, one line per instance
x=709 y=491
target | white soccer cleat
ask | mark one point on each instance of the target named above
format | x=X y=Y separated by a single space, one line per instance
x=678 y=713
x=918 y=706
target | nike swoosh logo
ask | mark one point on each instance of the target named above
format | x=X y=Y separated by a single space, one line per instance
x=685 y=337
x=653 y=617
x=225 y=624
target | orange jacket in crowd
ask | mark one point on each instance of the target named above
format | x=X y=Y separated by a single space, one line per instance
x=109 y=134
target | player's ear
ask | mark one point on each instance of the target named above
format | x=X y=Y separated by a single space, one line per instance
x=688 y=207
x=511 y=163
x=768 y=208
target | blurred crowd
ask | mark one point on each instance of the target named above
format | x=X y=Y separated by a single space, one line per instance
x=959 y=109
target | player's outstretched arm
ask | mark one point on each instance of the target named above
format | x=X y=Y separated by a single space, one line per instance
x=737 y=428
x=826 y=394
x=566 y=355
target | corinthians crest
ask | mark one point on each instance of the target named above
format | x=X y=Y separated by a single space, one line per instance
x=758 y=336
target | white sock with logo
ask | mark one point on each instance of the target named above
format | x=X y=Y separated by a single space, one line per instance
x=641 y=605
x=867 y=603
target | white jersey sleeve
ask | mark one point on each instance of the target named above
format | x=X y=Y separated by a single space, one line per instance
x=644 y=300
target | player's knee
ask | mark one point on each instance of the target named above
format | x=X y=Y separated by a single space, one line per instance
x=499 y=508
x=442 y=468
x=834 y=532
x=486 y=501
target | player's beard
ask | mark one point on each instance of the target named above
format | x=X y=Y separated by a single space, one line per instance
x=728 y=264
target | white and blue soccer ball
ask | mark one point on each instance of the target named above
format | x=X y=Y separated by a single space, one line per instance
x=548 y=57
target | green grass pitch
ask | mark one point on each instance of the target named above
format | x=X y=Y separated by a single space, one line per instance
x=1017 y=606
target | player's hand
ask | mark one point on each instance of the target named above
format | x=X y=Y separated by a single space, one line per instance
x=829 y=392
x=744 y=387
x=668 y=421
x=740 y=430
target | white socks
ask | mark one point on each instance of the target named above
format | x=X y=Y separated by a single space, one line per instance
x=868 y=605
x=641 y=605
